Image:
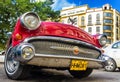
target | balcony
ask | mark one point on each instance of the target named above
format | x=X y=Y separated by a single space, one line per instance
x=90 y=24
x=105 y=17
x=108 y=15
x=82 y=25
x=108 y=24
x=107 y=30
x=98 y=23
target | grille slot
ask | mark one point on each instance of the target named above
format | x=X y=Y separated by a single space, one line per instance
x=45 y=47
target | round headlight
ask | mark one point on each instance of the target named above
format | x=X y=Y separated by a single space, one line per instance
x=27 y=53
x=30 y=20
x=102 y=40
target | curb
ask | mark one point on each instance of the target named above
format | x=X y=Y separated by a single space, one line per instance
x=2 y=58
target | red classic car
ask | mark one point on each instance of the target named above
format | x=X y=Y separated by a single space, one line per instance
x=36 y=43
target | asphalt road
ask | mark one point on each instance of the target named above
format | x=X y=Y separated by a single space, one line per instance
x=64 y=76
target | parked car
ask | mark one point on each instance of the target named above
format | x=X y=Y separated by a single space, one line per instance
x=113 y=51
x=2 y=56
x=51 y=45
x=2 y=52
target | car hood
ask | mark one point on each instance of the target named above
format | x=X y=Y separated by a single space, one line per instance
x=64 y=30
x=53 y=29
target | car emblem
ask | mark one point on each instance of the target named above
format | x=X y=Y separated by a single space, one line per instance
x=76 y=50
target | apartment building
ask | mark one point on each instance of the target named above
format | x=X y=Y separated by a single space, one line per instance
x=104 y=20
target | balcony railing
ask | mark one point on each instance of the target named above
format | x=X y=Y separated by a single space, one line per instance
x=107 y=30
x=108 y=17
x=89 y=24
x=106 y=23
x=98 y=23
x=82 y=25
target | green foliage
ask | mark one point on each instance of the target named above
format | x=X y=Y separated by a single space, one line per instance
x=10 y=10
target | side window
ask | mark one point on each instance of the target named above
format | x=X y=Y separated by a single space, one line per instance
x=119 y=45
x=116 y=45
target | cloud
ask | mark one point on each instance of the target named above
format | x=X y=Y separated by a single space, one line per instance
x=59 y=4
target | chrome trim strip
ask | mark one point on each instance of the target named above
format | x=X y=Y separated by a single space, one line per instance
x=61 y=48
x=68 y=57
x=61 y=39
x=71 y=49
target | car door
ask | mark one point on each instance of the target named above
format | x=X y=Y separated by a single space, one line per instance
x=115 y=49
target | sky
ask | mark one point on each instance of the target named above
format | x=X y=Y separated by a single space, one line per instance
x=59 y=4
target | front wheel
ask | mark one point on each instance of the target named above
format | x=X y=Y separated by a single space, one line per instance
x=111 y=65
x=81 y=74
x=13 y=69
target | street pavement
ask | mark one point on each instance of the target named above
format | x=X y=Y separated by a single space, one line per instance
x=50 y=75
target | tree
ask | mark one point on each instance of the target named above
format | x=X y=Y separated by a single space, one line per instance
x=11 y=10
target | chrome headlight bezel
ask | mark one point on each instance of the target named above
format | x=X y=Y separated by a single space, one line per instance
x=20 y=52
x=102 y=39
x=30 y=20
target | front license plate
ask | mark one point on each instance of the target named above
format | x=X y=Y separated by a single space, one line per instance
x=78 y=65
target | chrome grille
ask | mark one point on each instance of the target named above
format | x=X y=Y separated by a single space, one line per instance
x=49 y=47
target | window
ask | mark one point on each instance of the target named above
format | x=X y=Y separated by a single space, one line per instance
x=97 y=29
x=107 y=27
x=89 y=19
x=90 y=29
x=108 y=21
x=82 y=21
x=117 y=25
x=109 y=41
x=82 y=18
x=117 y=33
x=116 y=45
x=105 y=8
x=106 y=14
x=108 y=34
x=98 y=17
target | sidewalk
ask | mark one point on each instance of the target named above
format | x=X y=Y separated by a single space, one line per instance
x=1 y=58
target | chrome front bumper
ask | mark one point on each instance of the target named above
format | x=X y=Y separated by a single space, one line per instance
x=62 y=61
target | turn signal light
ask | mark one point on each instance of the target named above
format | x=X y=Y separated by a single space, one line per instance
x=18 y=36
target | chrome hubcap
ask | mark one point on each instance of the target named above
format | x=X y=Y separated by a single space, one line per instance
x=110 y=65
x=11 y=64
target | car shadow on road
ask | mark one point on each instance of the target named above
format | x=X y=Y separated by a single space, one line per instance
x=64 y=76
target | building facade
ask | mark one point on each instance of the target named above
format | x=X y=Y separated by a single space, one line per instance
x=104 y=20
